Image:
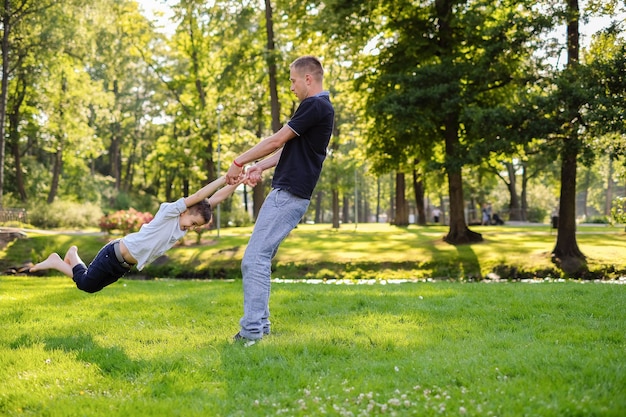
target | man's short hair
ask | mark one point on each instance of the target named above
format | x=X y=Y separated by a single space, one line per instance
x=310 y=65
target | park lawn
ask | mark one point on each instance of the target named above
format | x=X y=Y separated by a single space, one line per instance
x=364 y=251
x=163 y=347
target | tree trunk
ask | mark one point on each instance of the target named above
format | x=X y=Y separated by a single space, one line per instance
x=258 y=196
x=418 y=187
x=345 y=215
x=402 y=205
x=271 y=66
x=56 y=172
x=335 y=208
x=14 y=135
x=318 y=207
x=609 y=190
x=524 y=193
x=514 y=203
x=6 y=30
x=459 y=233
x=566 y=253
x=377 y=199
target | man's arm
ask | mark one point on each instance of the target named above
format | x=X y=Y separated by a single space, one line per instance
x=205 y=192
x=253 y=173
x=259 y=151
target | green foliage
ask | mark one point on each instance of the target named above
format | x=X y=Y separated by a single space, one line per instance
x=64 y=214
x=618 y=210
x=164 y=348
x=536 y=214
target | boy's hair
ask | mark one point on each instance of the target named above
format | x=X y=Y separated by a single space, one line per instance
x=310 y=65
x=203 y=208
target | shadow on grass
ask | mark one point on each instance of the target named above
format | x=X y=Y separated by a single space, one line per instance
x=110 y=360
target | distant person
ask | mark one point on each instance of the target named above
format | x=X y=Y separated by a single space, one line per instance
x=170 y=224
x=486 y=219
x=436 y=214
x=297 y=151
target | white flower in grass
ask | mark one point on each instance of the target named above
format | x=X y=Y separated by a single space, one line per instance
x=396 y=369
x=394 y=401
x=462 y=410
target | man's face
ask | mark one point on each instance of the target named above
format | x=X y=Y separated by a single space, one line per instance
x=299 y=83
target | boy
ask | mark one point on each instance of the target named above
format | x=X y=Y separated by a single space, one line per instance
x=115 y=259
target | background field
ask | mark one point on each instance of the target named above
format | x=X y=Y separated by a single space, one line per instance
x=367 y=251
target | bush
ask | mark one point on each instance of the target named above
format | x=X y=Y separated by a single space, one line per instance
x=618 y=211
x=597 y=220
x=536 y=214
x=126 y=221
x=64 y=214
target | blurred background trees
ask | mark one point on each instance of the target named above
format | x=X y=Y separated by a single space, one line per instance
x=449 y=103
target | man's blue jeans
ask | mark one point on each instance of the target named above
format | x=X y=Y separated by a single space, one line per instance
x=280 y=214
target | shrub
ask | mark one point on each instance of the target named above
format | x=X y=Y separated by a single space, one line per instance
x=536 y=214
x=126 y=221
x=618 y=211
x=64 y=214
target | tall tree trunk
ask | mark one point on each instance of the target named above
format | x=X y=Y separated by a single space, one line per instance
x=318 y=207
x=609 y=189
x=418 y=187
x=514 y=204
x=6 y=30
x=566 y=253
x=345 y=211
x=58 y=156
x=459 y=233
x=14 y=135
x=335 y=209
x=524 y=193
x=56 y=171
x=271 y=66
x=258 y=195
x=377 y=199
x=402 y=205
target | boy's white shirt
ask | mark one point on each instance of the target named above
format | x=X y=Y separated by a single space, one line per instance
x=155 y=238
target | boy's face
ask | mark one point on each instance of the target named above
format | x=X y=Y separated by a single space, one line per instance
x=188 y=221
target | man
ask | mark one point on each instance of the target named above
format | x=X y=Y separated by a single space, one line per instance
x=297 y=151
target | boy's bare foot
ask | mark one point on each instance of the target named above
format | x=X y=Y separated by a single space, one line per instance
x=51 y=262
x=71 y=253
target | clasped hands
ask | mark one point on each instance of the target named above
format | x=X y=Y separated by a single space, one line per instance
x=250 y=176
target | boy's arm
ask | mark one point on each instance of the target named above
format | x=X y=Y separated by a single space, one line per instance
x=205 y=191
x=222 y=194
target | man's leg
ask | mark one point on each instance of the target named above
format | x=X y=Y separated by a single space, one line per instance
x=280 y=214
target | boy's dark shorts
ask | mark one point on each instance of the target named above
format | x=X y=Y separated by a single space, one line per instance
x=104 y=270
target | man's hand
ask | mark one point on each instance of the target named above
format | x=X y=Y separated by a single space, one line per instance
x=234 y=174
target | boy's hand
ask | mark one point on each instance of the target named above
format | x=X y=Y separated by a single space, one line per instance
x=253 y=175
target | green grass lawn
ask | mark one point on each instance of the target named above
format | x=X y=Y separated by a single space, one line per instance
x=163 y=348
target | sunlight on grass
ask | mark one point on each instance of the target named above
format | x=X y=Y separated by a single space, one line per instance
x=164 y=348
